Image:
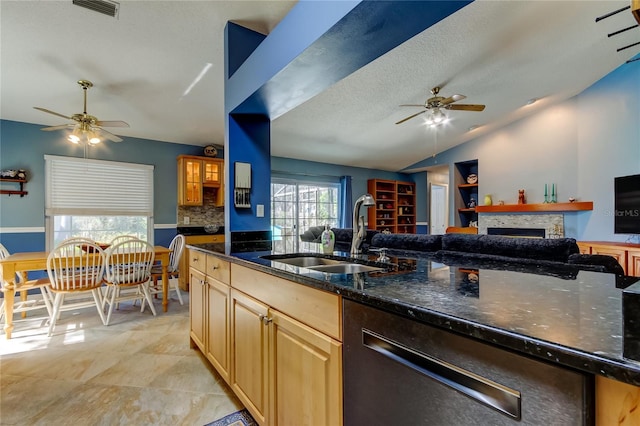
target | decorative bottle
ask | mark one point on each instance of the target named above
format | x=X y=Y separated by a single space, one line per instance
x=328 y=240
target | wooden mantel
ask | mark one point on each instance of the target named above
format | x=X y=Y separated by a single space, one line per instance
x=536 y=208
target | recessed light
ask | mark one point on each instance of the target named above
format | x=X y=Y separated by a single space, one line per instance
x=532 y=101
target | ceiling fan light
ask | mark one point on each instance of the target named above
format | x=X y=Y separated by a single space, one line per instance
x=73 y=138
x=92 y=138
x=438 y=116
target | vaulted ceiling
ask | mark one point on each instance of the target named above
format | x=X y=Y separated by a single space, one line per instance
x=159 y=66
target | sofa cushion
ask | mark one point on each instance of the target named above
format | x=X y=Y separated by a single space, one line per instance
x=418 y=242
x=312 y=235
x=557 y=250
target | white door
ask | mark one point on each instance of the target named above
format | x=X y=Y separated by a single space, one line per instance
x=438 y=203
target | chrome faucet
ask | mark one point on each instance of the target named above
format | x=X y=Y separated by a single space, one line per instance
x=359 y=231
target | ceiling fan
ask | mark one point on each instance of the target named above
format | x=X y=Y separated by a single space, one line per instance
x=434 y=105
x=87 y=128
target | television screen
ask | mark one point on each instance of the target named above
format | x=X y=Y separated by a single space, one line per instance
x=627 y=205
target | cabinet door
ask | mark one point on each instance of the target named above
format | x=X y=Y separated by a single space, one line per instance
x=620 y=254
x=191 y=182
x=197 y=300
x=633 y=262
x=305 y=375
x=249 y=351
x=218 y=326
x=212 y=173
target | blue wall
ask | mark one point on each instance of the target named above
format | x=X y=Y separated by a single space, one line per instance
x=24 y=146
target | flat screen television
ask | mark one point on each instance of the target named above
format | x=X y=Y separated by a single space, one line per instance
x=627 y=204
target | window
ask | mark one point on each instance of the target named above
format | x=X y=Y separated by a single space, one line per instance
x=297 y=206
x=97 y=199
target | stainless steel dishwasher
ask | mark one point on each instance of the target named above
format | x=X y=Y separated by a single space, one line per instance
x=402 y=372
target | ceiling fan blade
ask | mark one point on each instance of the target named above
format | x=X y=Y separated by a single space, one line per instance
x=413 y=105
x=60 y=127
x=112 y=124
x=411 y=116
x=465 y=107
x=107 y=135
x=52 y=112
x=453 y=98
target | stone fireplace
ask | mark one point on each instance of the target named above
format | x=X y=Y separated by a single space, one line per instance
x=551 y=223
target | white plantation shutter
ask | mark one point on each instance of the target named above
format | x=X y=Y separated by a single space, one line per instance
x=79 y=186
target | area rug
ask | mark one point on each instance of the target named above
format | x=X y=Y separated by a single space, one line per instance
x=239 y=418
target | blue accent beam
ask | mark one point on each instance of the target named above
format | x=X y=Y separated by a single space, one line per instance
x=321 y=42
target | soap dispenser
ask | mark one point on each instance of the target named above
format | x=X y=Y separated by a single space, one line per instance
x=328 y=240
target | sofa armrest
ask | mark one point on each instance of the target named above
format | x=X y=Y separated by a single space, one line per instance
x=609 y=263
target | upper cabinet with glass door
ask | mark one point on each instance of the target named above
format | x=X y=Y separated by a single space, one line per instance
x=213 y=170
x=194 y=174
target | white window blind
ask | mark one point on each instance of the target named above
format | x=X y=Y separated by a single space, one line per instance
x=95 y=187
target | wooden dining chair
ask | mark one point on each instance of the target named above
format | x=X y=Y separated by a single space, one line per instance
x=74 y=270
x=128 y=273
x=25 y=303
x=121 y=238
x=173 y=270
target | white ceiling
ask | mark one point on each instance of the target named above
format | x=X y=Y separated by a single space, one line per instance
x=498 y=53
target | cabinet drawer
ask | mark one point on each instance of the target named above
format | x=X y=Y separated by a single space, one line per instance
x=218 y=269
x=198 y=260
x=204 y=239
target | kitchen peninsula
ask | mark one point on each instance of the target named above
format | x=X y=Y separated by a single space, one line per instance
x=573 y=323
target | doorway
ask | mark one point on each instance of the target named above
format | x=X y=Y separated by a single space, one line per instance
x=438 y=208
x=438 y=197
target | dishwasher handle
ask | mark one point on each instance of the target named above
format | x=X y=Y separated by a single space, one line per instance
x=483 y=390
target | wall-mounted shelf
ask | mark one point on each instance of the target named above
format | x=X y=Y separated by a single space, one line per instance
x=21 y=192
x=542 y=207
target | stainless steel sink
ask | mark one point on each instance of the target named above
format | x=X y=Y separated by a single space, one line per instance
x=345 y=268
x=323 y=264
x=306 y=261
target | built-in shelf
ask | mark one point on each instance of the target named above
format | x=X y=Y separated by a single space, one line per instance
x=9 y=192
x=542 y=207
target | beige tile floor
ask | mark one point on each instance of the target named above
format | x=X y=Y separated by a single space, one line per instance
x=139 y=370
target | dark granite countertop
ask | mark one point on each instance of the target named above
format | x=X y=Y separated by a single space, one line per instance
x=573 y=319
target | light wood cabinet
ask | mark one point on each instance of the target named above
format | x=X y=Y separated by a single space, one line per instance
x=250 y=343
x=212 y=172
x=189 y=181
x=183 y=266
x=633 y=262
x=197 y=173
x=395 y=208
x=209 y=310
x=286 y=349
x=197 y=299
x=627 y=254
x=616 y=403
x=303 y=358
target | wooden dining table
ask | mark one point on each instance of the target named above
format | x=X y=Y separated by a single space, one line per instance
x=24 y=262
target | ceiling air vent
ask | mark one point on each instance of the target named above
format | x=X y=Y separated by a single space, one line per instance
x=110 y=8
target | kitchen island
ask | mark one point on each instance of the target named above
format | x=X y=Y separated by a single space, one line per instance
x=572 y=320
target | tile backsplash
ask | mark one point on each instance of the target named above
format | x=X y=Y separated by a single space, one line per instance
x=206 y=214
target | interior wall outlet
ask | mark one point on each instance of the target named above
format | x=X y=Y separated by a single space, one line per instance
x=259 y=210
x=186 y=220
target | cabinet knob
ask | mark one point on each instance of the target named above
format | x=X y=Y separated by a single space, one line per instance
x=214 y=267
x=265 y=319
